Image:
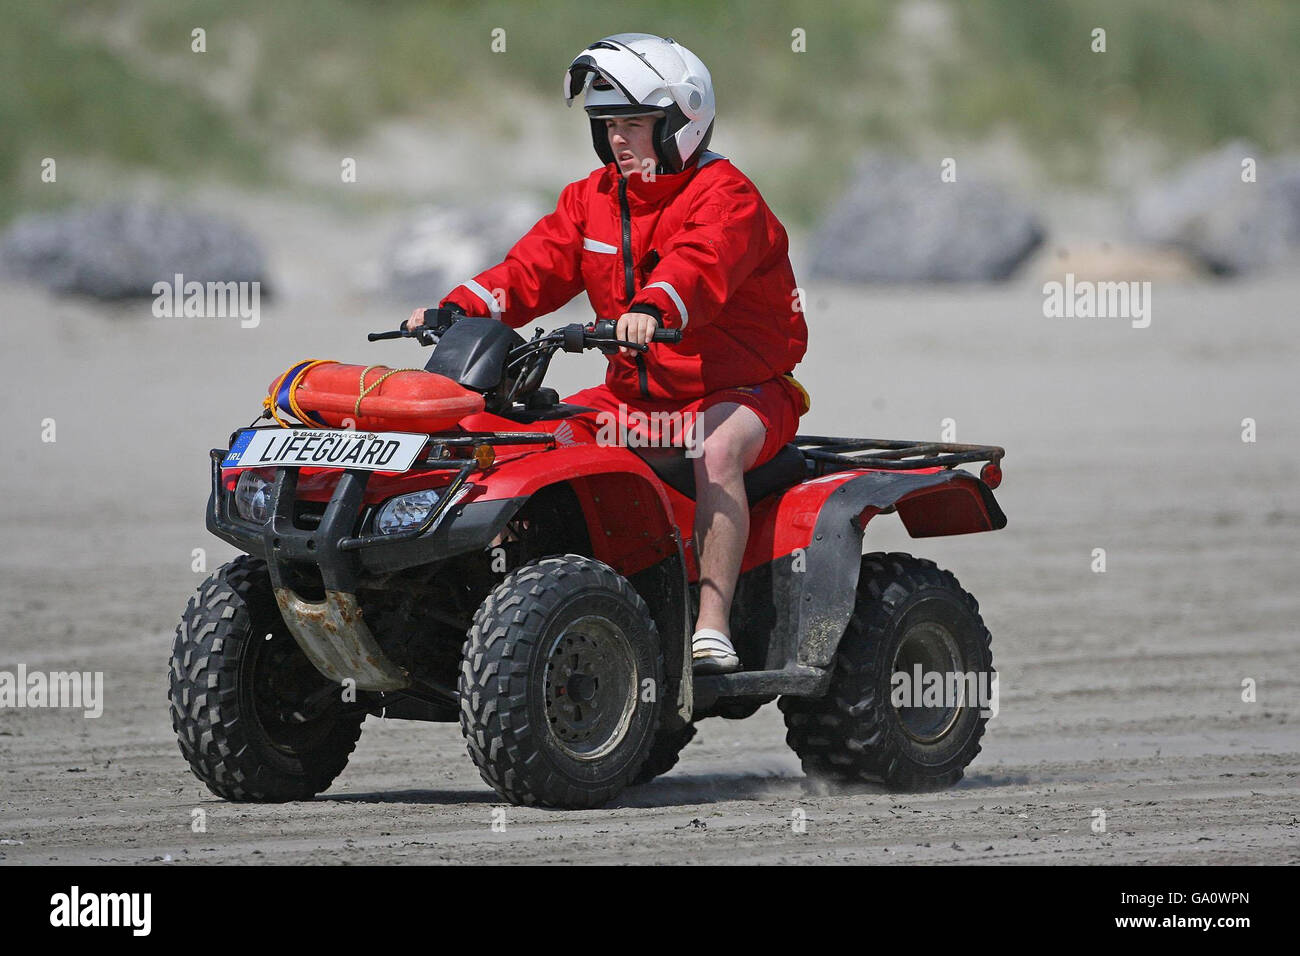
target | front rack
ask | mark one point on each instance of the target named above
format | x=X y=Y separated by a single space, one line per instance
x=837 y=454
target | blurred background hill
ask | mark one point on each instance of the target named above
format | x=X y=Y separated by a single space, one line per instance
x=415 y=92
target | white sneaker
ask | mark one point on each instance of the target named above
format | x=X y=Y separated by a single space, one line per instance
x=712 y=653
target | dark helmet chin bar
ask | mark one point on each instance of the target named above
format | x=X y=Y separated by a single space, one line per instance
x=665 y=128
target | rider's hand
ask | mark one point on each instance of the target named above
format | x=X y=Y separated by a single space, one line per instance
x=416 y=320
x=635 y=327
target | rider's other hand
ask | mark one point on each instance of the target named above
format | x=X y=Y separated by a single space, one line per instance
x=416 y=320
x=635 y=327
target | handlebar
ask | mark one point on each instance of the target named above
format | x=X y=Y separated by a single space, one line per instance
x=423 y=333
x=436 y=322
x=607 y=329
x=572 y=338
x=526 y=363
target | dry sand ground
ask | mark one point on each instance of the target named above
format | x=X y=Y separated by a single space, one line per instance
x=1120 y=691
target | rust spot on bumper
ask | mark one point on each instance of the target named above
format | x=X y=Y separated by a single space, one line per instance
x=335 y=638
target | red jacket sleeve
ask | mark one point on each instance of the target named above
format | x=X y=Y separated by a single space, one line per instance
x=541 y=272
x=722 y=241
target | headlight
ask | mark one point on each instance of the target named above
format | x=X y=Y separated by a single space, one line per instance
x=411 y=511
x=253 y=495
x=406 y=511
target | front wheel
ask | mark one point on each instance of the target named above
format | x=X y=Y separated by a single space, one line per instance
x=912 y=685
x=560 y=683
x=254 y=718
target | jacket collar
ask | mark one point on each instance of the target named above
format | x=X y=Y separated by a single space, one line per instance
x=645 y=191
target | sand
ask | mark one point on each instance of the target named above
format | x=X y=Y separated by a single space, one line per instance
x=1121 y=691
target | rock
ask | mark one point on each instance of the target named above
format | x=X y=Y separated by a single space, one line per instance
x=440 y=247
x=1233 y=227
x=898 y=222
x=120 y=249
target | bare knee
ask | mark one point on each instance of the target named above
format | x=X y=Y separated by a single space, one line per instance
x=721 y=459
x=731 y=438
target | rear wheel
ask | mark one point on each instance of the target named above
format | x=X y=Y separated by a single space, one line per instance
x=253 y=717
x=885 y=720
x=559 y=684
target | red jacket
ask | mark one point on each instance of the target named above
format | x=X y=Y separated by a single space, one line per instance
x=699 y=249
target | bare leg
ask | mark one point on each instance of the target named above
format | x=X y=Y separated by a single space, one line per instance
x=733 y=435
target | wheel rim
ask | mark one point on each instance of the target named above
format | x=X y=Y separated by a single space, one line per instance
x=932 y=646
x=590 y=687
x=281 y=679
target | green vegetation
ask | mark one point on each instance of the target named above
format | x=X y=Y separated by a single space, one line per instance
x=116 y=83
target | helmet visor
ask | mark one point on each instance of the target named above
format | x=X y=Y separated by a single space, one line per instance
x=630 y=74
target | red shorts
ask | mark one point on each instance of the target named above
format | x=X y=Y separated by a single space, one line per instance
x=777 y=403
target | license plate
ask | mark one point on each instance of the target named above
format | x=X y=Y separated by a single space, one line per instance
x=324 y=448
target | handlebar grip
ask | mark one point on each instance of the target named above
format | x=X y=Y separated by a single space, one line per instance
x=442 y=315
x=605 y=329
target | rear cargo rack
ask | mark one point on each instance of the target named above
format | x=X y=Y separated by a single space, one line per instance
x=837 y=454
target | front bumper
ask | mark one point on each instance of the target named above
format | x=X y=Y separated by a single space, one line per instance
x=332 y=632
x=334 y=545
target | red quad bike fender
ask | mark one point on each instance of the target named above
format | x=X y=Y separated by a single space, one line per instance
x=805 y=545
x=623 y=502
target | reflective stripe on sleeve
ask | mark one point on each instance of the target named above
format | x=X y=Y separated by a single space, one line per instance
x=488 y=299
x=677 y=299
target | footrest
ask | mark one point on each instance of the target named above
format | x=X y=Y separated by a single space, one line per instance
x=796 y=681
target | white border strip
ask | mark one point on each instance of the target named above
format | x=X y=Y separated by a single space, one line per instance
x=594 y=245
x=488 y=299
x=677 y=299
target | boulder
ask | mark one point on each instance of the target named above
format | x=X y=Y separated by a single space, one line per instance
x=899 y=222
x=1233 y=227
x=120 y=249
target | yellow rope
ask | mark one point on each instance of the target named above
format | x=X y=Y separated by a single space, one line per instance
x=269 y=402
x=365 y=389
x=293 y=390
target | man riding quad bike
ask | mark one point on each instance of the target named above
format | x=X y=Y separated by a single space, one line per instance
x=667 y=234
x=458 y=544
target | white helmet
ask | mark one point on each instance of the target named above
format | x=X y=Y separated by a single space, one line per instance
x=639 y=74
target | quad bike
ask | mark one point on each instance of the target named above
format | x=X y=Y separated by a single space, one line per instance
x=488 y=561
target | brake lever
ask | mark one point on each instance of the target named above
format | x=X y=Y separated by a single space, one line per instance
x=610 y=346
x=536 y=346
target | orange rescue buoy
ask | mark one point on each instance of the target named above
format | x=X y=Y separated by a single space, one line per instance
x=371 y=397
